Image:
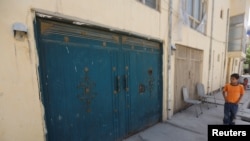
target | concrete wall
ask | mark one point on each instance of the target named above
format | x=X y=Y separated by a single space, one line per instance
x=212 y=43
x=219 y=44
x=21 y=112
x=237 y=8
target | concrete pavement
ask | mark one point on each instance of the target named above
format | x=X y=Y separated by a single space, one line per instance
x=185 y=126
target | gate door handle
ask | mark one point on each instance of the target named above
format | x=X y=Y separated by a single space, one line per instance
x=126 y=83
x=118 y=83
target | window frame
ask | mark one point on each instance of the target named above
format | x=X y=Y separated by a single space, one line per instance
x=155 y=5
x=196 y=16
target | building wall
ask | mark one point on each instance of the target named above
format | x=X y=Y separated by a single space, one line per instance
x=212 y=43
x=238 y=8
x=21 y=114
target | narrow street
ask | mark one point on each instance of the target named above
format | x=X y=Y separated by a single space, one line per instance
x=184 y=126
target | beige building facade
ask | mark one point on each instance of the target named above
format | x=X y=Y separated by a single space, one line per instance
x=194 y=49
x=203 y=42
x=238 y=41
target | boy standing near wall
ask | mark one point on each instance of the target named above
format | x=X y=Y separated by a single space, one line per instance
x=232 y=94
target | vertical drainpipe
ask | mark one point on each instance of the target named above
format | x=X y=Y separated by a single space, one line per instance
x=169 y=101
x=210 y=48
x=226 y=50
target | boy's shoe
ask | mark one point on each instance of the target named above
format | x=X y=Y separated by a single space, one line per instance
x=233 y=123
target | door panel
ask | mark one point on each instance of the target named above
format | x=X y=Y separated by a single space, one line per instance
x=188 y=64
x=144 y=96
x=97 y=85
x=145 y=101
x=77 y=97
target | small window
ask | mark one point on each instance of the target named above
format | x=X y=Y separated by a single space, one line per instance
x=151 y=3
x=221 y=14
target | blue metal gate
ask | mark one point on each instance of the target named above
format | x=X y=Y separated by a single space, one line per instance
x=97 y=85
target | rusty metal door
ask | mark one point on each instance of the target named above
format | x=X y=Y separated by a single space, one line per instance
x=97 y=85
x=78 y=75
x=144 y=93
x=188 y=70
